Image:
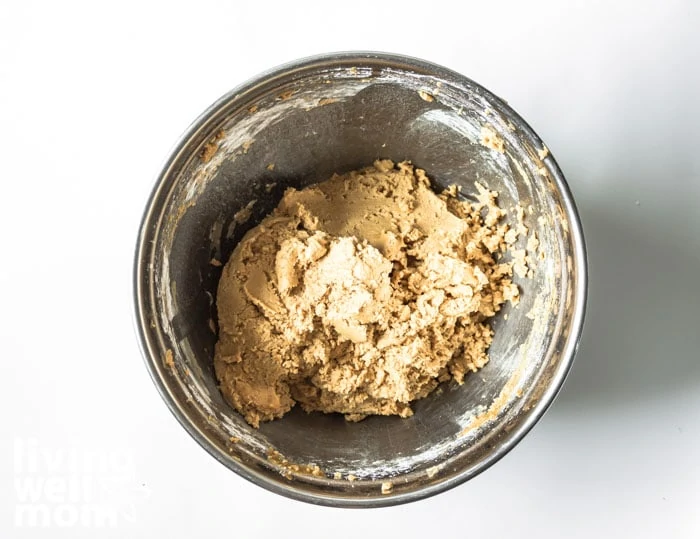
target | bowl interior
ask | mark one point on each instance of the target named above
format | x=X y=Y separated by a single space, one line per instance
x=295 y=127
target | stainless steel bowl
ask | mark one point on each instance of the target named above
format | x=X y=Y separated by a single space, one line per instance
x=296 y=125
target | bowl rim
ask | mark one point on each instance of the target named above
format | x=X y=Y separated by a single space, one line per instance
x=149 y=349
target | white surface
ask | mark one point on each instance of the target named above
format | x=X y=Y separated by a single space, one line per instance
x=92 y=99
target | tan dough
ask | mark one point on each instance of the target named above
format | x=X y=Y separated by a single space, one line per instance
x=359 y=295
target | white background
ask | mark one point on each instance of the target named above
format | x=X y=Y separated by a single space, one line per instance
x=92 y=97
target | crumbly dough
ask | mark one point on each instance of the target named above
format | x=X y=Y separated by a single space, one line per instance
x=359 y=295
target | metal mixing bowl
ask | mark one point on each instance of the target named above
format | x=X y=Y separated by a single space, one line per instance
x=296 y=125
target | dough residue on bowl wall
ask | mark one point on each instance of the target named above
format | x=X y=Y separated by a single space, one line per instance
x=360 y=295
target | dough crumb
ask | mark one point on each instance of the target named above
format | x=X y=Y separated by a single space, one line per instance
x=360 y=294
x=432 y=471
x=168 y=360
x=242 y=215
x=327 y=101
x=519 y=220
x=490 y=139
x=246 y=145
x=387 y=487
x=270 y=186
x=270 y=167
x=519 y=263
x=544 y=152
x=215 y=262
x=337 y=476
x=211 y=146
x=533 y=242
x=426 y=96
x=351 y=478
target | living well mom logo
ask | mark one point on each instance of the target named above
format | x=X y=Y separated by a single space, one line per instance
x=73 y=486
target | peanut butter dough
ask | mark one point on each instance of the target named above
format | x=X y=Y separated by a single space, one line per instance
x=359 y=295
